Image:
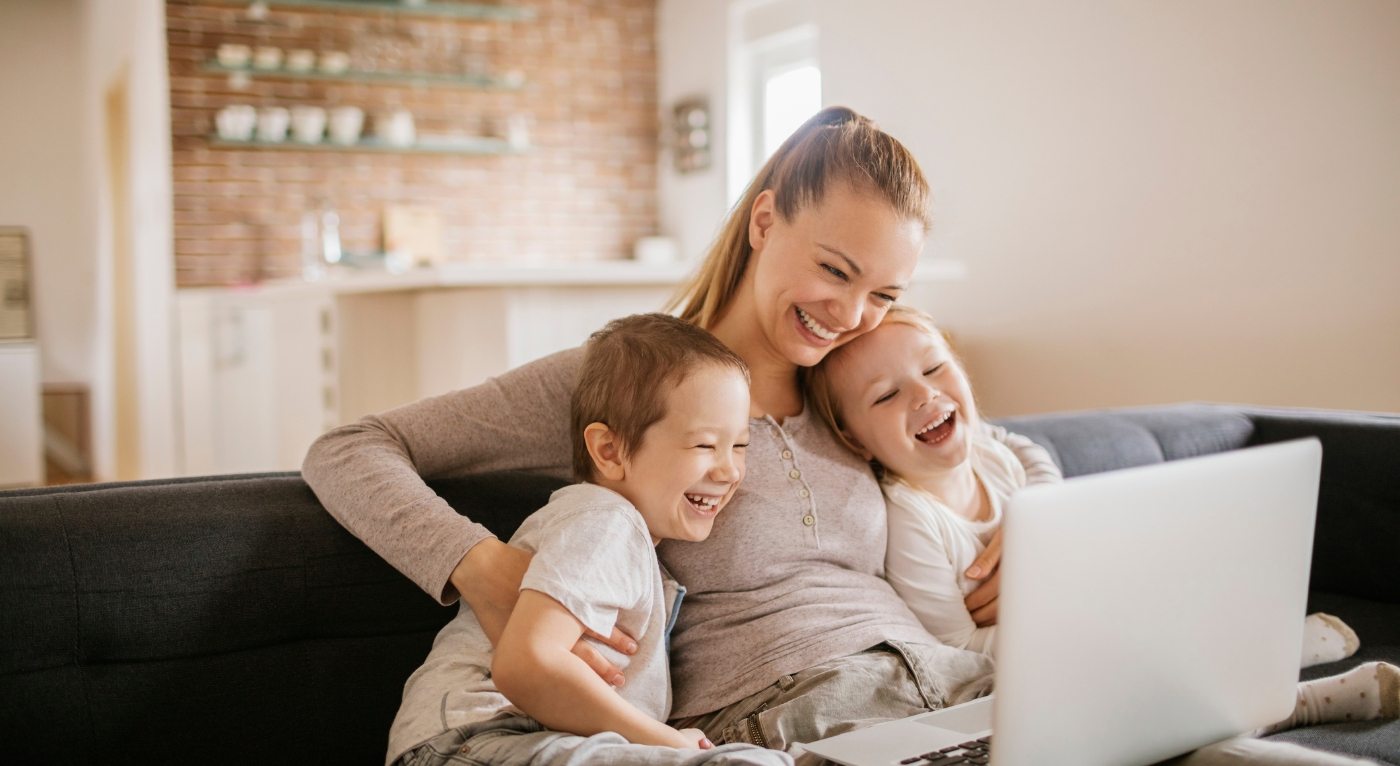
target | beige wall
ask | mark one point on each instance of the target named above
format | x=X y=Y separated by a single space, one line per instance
x=1156 y=202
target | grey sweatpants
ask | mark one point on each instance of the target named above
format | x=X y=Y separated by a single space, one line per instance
x=519 y=741
x=898 y=680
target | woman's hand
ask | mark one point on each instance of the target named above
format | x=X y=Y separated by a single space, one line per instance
x=982 y=602
x=488 y=579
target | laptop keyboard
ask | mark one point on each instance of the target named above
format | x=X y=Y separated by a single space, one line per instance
x=975 y=752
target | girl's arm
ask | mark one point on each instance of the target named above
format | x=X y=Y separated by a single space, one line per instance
x=918 y=565
x=1040 y=468
x=534 y=667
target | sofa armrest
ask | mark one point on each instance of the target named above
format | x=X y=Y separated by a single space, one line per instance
x=1358 y=512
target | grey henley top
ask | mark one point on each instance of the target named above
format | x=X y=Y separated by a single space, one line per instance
x=792 y=575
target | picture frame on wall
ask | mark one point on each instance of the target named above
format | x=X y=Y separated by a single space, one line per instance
x=16 y=310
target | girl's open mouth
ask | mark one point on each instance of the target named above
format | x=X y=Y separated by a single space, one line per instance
x=939 y=429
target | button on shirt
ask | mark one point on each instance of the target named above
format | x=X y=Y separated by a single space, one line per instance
x=808 y=518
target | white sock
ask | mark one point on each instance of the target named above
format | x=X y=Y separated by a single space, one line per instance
x=1364 y=693
x=1327 y=639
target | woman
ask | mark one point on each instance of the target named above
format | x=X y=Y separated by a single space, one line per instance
x=789 y=633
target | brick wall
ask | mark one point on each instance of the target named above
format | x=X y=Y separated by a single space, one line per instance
x=584 y=190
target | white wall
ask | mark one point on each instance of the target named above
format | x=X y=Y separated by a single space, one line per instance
x=1156 y=202
x=59 y=60
x=691 y=62
x=46 y=157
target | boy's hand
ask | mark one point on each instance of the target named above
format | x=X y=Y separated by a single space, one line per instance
x=982 y=603
x=695 y=738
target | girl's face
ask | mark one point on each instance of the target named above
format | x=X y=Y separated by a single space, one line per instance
x=905 y=401
x=828 y=275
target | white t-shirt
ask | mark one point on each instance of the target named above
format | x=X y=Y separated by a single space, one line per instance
x=930 y=547
x=593 y=555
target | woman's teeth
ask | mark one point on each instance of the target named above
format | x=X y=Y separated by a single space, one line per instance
x=816 y=329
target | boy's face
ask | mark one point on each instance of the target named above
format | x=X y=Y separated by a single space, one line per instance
x=906 y=401
x=692 y=459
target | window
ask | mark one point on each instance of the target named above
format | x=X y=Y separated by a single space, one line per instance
x=775 y=85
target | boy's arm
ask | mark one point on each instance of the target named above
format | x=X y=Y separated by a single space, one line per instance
x=535 y=668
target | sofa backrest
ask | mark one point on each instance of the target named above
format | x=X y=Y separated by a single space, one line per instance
x=218 y=620
x=231 y=620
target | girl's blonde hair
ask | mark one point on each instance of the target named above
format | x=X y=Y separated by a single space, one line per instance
x=818 y=379
x=836 y=144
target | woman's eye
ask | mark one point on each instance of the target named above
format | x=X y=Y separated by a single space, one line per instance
x=886 y=397
x=704 y=446
x=835 y=272
x=886 y=298
x=937 y=368
x=745 y=445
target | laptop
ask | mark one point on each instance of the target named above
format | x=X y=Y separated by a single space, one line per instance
x=1143 y=613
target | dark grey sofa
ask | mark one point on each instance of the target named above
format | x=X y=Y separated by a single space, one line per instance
x=230 y=620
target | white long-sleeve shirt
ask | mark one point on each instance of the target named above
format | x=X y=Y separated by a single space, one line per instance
x=930 y=547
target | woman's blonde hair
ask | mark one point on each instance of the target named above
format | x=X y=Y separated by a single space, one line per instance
x=836 y=144
x=818 y=379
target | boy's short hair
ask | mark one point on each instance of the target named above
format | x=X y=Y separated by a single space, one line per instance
x=629 y=367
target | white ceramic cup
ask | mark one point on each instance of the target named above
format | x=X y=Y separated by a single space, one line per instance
x=301 y=60
x=334 y=62
x=308 y=124
x=235 y=122
x=655 y=251
x=272 y=124
x=395 y=127
x=346 y=122
x=234 y=56
x=267 y=57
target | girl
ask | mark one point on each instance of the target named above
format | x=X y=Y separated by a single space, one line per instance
x=899 y=398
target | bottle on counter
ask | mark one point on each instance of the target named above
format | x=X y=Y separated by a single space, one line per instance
x=312 y=267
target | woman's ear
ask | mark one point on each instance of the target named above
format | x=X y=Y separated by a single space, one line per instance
x=606 y=450
x=854 y=442
x=761 y=219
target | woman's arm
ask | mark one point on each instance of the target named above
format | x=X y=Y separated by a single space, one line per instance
x=370 y=475
x=534 y=667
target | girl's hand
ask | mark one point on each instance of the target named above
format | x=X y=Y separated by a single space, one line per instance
x=982 y=603
x=488 y=579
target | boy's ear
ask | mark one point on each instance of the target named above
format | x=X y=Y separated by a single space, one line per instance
x=860 y=448
x=605 y=449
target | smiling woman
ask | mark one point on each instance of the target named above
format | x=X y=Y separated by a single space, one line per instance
x=789 y=582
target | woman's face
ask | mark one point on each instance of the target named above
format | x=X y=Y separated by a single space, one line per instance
x=828 y=275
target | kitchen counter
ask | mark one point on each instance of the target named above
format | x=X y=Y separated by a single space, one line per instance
x=345 y=280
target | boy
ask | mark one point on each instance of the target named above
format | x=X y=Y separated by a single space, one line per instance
x=660 y=422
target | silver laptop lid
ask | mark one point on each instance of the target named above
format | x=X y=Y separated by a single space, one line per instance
x=1149 y=611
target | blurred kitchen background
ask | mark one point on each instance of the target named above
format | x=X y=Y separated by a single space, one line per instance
x=228 y=226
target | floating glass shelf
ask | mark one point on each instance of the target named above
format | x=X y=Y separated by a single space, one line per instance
x=466 y=145
x=489 y=82
x=479 y=11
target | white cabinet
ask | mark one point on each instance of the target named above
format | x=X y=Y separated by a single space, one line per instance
x=21 y=415
x=257 y=378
